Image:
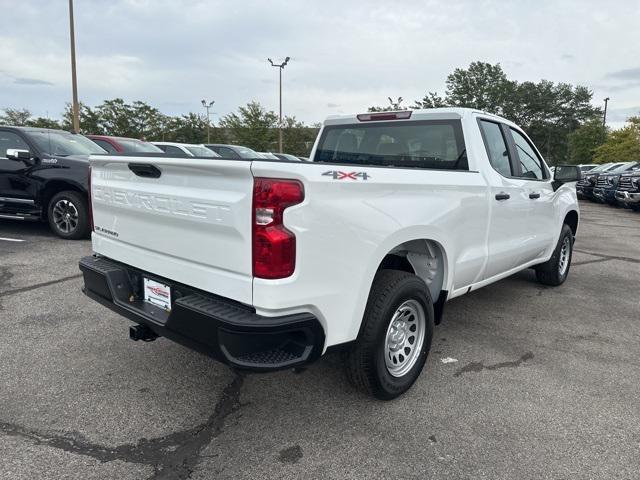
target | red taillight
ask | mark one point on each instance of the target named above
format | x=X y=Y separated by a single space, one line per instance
x=90 y=202
x=370 y=117
x=274 y=247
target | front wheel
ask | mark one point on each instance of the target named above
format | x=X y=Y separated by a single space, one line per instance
x=68 y=215
x=555 y=271
x=395 y=337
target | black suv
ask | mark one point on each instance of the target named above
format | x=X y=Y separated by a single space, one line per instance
x=44 y=175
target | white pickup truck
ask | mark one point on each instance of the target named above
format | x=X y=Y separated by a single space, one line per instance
x=266 y=265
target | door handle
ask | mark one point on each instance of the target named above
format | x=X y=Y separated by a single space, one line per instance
x=145 y=170
x=503 y=196
x=533 y=196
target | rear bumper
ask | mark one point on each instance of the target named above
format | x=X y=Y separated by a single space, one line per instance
x=221 y=328
x=628 y=198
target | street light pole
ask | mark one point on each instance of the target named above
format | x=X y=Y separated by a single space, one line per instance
x=207 y=106
x=604 y=117
x=74 y=82
x=280 y=67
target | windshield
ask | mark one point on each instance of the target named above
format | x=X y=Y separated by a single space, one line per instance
x=58 y=142
x=626 y=167
x=200 y=151
x=268 y=155
x=613 y=167
x=133 y=146
x=245 y=152
x=436 y=144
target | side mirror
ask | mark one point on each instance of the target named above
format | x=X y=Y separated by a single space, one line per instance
x=18 y=155
x=566 y=174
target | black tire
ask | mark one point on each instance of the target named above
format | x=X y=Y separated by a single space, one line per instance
x=69 y=230
x=365 y=362
x=552 y=272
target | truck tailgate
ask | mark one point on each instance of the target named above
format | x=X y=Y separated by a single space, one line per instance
x=191 y=224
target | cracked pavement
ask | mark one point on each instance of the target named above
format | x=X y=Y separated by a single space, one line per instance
x=545 y=384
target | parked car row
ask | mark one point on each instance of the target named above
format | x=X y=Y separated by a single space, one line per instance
x=44 y=173
x=612 y=183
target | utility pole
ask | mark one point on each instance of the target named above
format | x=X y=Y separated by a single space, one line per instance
x=74 y=82
x=280 y=68
x=604 y=118
x=207 y=106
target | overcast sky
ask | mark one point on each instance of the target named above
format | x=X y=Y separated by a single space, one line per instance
x=345 y=55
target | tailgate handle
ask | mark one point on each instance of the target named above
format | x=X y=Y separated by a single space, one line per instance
x=145 y=170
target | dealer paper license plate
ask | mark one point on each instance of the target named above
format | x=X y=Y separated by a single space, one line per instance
x=157 y=294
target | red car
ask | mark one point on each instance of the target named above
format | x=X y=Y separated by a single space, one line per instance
x=123 y=144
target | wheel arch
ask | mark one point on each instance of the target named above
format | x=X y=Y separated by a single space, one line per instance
x=425 y=257
x=572 y=218
x=53 y=187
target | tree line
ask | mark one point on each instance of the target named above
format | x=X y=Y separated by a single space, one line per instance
x=559 y=117
x=252 y=125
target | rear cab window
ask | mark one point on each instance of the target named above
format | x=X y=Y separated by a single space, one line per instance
x=427 y=144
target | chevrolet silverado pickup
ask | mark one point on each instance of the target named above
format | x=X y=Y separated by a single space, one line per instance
x=267 y=264
x=628 y=190
x=607 y=183
x=43 y=177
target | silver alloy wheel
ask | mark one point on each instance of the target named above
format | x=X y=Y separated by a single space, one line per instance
x=404 y=339
x=65 y=215
x=565 y=252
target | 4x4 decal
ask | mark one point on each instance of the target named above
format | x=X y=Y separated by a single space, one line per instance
x=337 y=175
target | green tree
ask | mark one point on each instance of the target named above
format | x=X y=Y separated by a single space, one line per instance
x=430 y=100
x=42 y=122
x=394 y=105
x=622 y=145
x=297 y=138
x=190 y=128
x=116 y=118
x=584 y=141
x=252 y=126
x=89 y=120
x=482 y=86
x=547 y=111
x=146 y=121
x=17 y=117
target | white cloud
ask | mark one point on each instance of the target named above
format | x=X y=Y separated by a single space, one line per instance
x=346 y=56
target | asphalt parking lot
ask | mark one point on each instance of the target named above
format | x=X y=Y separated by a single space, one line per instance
x=546 y=384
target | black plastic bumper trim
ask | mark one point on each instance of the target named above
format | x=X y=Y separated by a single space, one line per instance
x=226 y=330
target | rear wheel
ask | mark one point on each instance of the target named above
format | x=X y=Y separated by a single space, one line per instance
x=555 y=271
x=395 y=338
x=68 y=215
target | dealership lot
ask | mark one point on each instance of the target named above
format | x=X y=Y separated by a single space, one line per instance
x=523 y=381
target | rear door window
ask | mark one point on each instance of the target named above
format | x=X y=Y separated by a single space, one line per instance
x=431 y=144
x=496 y=146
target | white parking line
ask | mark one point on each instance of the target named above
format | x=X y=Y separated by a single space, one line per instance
x=11 y=239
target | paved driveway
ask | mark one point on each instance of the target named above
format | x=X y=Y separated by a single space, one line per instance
x=546 y=384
